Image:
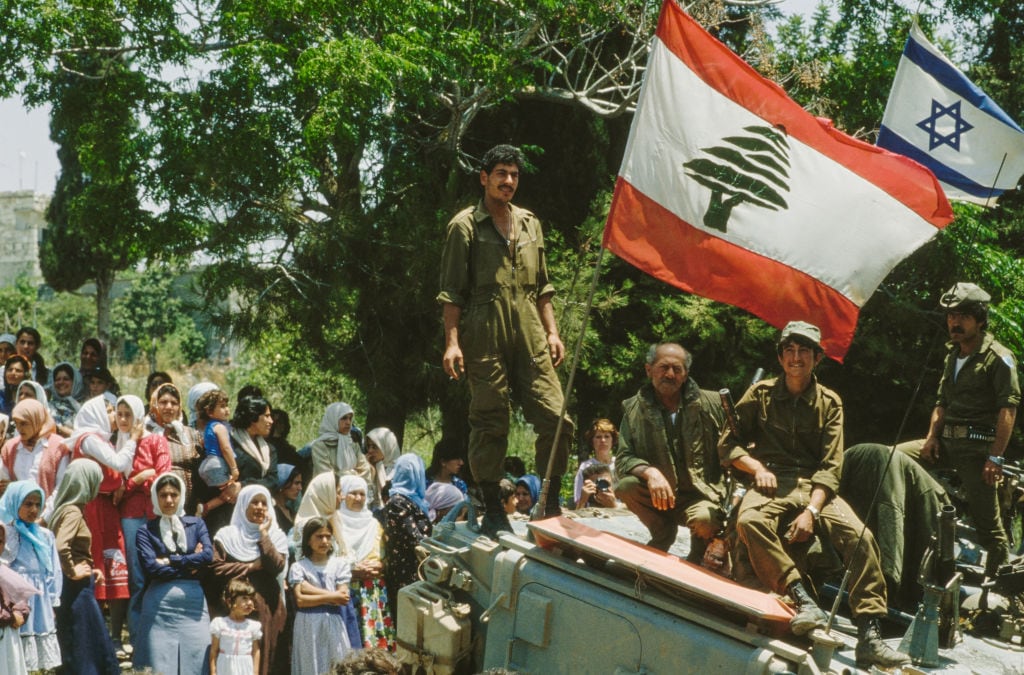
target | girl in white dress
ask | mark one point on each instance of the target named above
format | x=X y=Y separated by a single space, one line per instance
x=235 y=639
x=320 y=581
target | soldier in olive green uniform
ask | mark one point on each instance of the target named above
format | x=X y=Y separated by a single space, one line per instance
x=667 y=459
x=795 y=426
x=500 y=325
x=974 y=413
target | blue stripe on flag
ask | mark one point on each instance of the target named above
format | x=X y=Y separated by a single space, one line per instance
x=893 y=142
x=952 y=79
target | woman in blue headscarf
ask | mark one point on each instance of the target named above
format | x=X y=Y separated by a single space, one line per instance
x=527 y=492
x=406 y=523
x=32 y=553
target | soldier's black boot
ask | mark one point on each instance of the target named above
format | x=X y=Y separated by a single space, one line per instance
x=495 y=519
x=871 y=651
x=551 y=505
x=808 y=615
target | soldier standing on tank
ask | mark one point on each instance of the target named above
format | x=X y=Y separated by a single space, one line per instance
x=974 y=413
x=790 y=439
x=499 y=324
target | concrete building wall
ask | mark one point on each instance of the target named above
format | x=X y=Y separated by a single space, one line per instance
x=22 y=220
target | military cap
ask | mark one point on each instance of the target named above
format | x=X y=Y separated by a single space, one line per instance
x=802 y=329
x=963 y=293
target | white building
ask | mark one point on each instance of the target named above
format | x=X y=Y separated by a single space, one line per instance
x=22 y=220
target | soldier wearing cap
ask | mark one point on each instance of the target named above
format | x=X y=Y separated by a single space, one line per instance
x=974 y=413
x=790 y=439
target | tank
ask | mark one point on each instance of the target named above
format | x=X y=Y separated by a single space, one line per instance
x=565 y=595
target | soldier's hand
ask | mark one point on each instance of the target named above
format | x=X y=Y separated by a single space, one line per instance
x=930 y=449
x=557 y=349
x=801 y=528
x=453 y=365
x=663 y=497
x=765 y=482
x=991 y=473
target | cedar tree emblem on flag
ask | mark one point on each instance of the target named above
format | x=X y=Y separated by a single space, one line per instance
x=750 y=169
x=730 y=190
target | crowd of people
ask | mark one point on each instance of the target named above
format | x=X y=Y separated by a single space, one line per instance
x=183 y=536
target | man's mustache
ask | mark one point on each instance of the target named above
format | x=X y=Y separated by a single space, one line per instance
x=956 y=329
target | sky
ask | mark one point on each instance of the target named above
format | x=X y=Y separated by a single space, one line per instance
x=28 y=160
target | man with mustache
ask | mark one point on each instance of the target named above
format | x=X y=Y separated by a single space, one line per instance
x=499 y=324
x=667 y=459
x=974 y=413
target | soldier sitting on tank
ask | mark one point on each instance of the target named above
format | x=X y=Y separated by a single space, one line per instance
x=669 y=473
x=790 y=438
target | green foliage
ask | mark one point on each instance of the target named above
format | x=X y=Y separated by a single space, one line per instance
x=65 y=320
x=152 y=317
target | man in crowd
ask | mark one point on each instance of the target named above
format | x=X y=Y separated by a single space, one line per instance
x=669 y=473
x=790 y=439
x=974 y=413
x=499 y=325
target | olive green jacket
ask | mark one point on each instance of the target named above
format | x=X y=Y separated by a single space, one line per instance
x=644 y=440
x=986 y=383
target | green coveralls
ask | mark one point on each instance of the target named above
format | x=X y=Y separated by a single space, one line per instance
x=502 y=338
x=685 y=452
x=800 y=440
x=987 y=382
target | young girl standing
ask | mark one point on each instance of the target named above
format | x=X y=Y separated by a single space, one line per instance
x=235 y=639
x=320 y=581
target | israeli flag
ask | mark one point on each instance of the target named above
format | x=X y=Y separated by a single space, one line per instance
x=939 y=118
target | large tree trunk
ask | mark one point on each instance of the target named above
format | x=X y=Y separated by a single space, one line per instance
x=104 y=283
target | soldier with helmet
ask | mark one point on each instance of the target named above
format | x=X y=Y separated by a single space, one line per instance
x=975 y=412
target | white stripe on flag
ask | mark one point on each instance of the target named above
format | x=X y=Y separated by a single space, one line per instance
x=843 y=249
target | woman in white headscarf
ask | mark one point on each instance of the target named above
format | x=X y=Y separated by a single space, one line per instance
x=382 y=452
x=173 y=550
x=334 y=449
x=255 y=549
x=321 y=498
x=93 y=427
x=362 y=535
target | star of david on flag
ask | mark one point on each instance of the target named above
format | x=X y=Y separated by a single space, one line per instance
x=939 y=118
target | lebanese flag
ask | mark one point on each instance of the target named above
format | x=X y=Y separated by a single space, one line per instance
x=730 y=190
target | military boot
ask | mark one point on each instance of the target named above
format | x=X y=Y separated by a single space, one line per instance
x=871 y=651
x=808 y=615
x=495 y=519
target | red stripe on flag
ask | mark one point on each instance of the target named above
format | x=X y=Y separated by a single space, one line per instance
x=650 y=237
x=713 y=62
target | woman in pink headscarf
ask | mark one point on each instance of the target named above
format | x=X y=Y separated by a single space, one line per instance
x=36 y=452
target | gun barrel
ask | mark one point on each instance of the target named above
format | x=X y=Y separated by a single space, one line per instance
x=945 y=566
x=730 y=410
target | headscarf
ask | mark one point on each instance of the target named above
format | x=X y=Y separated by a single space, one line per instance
x=532 y=484
x=194 y=393
x=172 y=528
x=241 y=539
x=359 y=528
x=410 y=480
x=138 y=409
x=386 y=440
x=36 y=414
x=101 y=350
x=81 y=484
x=320 y=499
x=31 y=533
x=40 y=393
x=443 y=496
x=153 y=421
x=91 y=419
x=9 y=338
x=77 y=387
x=284 y=473
x=347 y=452
x=256 y=447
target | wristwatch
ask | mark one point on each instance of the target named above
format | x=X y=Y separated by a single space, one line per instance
x=997 y=460
x=814 y=512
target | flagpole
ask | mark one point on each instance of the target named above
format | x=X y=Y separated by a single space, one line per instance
x=995 y=181
x=539 y=508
